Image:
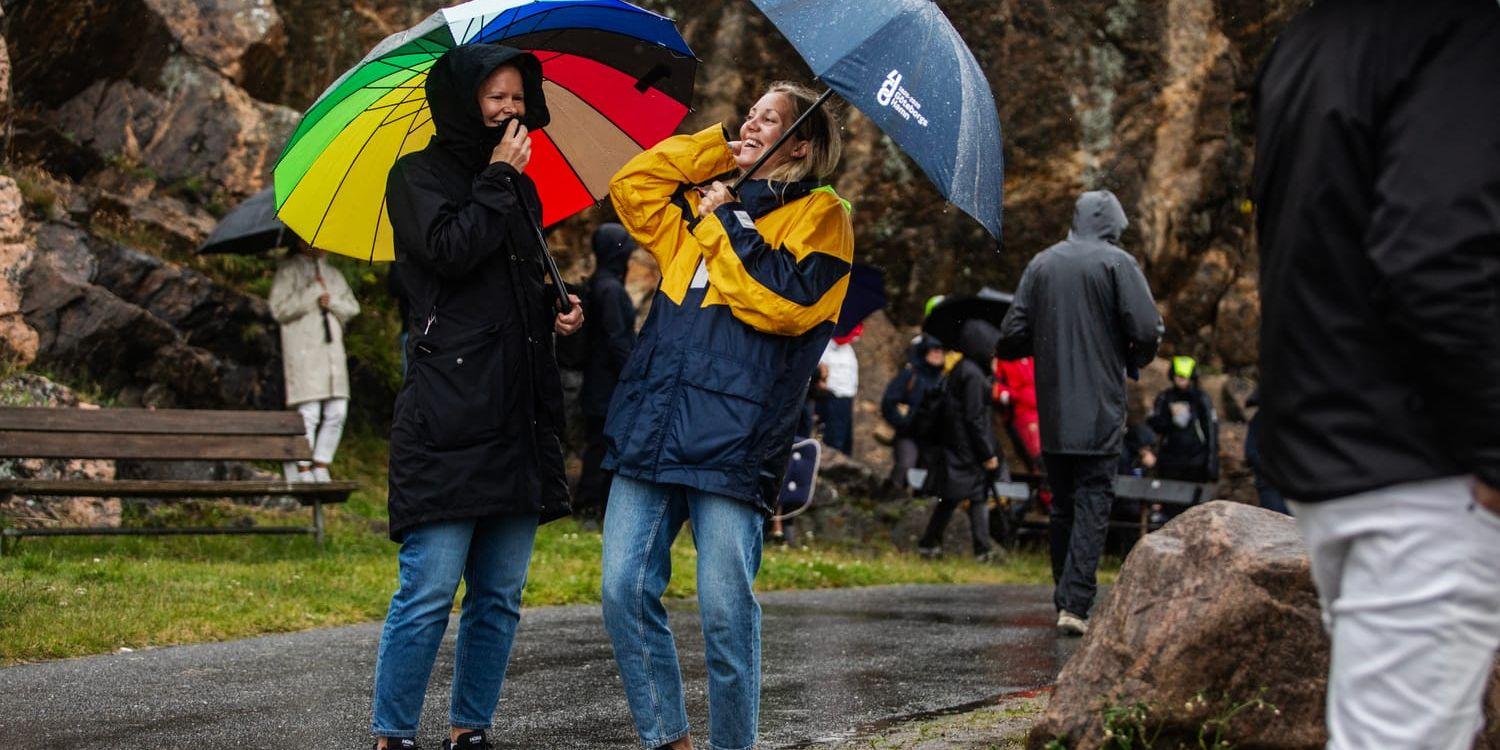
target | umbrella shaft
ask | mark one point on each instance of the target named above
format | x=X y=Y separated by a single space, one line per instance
x=735 y=188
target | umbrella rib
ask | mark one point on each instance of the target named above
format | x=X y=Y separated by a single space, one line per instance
x=345 y=178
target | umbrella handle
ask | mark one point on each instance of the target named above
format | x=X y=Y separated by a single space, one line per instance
x=564 y=305
x=786 y=134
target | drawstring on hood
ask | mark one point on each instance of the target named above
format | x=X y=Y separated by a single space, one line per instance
x=612 y=248
x=453 y=98
x=1098 y=216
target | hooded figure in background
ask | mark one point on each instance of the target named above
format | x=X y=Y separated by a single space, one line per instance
x=969 y=458
x=1083 y=311
x=610 y=335
x=476 y=459
x=923 y=372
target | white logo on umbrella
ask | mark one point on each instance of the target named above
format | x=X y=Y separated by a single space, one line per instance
x=892 y=94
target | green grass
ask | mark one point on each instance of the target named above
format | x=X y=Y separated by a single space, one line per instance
x=67 y=597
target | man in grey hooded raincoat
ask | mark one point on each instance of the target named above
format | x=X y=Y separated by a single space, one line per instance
x=1084 y=312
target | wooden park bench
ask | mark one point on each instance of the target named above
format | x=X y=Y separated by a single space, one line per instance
x=1146 y=491
x=161 y=435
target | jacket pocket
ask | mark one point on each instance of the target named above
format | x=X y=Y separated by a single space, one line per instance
x=717 y=411
x=459 y=389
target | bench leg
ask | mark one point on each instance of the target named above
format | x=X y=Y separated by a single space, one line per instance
x=318 y=521
x=1145 y=521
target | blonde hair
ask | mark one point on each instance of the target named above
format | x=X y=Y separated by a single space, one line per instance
x=821 y=131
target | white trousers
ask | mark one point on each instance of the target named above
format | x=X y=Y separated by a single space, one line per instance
x=324 y=421
x=1409 y=579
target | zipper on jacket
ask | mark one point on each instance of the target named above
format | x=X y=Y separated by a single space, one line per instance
x=431 y=318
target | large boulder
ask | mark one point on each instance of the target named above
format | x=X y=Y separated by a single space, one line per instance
x=1211 y=615
x=18 y=341
x=1216 y=609
x=154 y=83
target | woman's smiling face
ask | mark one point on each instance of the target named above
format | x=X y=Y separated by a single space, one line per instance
x=764 y=123
x=502 y=96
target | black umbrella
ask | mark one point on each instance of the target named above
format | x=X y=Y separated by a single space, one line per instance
x=948 y=318
x=251 y=228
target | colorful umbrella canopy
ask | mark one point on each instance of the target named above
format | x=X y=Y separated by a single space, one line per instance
x=617 y=78
x=906 y=68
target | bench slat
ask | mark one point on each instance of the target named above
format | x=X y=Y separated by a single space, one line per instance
x=157 y=530
x=328 y=492
x=189 y=447
x=151 y=421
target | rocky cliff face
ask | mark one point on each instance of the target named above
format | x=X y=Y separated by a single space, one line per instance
x=131 y=103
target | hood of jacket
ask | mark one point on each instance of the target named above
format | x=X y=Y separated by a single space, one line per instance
x=920 y=346
x=1098 y=216
x=976 y=341
x=612 y=248
x=453 y=98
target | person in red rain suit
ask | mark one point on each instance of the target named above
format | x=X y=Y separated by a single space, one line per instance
x=1015 y=395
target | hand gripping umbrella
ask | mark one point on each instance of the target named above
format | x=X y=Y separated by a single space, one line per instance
x=617 y=78
x=905 y=67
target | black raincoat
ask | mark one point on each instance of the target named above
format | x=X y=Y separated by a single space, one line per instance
x=610 y=329
x=968 y=426
x=1084 y=311
x=477 y=422
x=1377 y=190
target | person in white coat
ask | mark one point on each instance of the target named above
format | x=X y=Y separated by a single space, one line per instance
x=312 y=302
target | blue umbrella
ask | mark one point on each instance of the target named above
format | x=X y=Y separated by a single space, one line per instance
x=866 y=295
x=905 y=67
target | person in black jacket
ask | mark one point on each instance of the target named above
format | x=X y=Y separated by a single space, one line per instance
x=1377 y=186
x=1188 y=426
x=610 y=337
x=475 y=454
x=900 y=399
x=1084 y=311
x=969 y=458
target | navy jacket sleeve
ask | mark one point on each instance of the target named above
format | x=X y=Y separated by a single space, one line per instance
x=1161 y=417
x=896 y=393
x=1210 y=418
x=452 y=238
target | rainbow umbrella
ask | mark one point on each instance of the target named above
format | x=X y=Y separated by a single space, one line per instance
x=617 y=78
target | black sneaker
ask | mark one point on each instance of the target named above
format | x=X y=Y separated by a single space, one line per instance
x=399 y=743
x=469 y=741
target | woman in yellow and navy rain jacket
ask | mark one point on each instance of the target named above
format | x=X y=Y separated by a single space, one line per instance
x=700 y=427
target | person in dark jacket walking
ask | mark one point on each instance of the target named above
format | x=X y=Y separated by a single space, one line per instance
x=700 y=428
x=475 y=455
x=902 y=394
x=1377 y=186
x=610 y=336
x=969 y=458
x=1188 y=427
x=1084 y=312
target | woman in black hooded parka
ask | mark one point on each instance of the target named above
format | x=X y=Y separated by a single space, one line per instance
x=476 y=460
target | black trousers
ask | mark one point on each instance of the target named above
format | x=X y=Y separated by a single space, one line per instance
x=979 y=524
x=1083 y=491
x=594 y=481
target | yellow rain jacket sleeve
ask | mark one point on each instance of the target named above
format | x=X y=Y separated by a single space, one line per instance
x=653 y=192
x=783 y=273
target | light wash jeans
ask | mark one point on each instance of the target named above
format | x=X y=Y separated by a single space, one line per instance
x=642 y=521
x=1409 y=578
x=491 y=555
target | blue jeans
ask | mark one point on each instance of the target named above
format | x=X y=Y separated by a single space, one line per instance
x=491 y=556
x=642 y=522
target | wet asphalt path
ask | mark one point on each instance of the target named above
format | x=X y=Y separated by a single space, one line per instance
x=835 y=663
